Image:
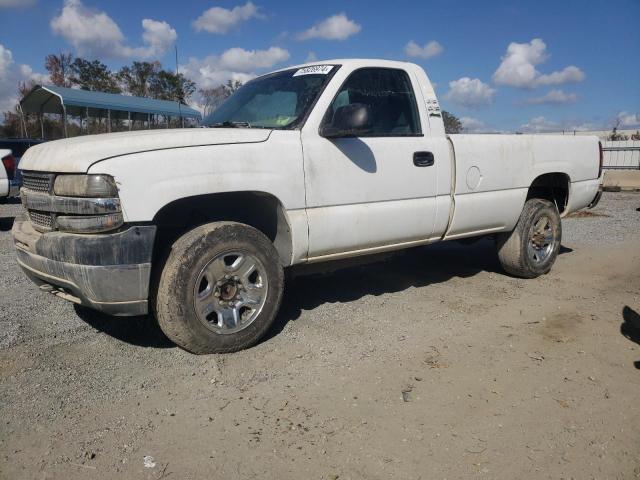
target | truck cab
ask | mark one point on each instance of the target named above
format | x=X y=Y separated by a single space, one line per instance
x=306 y=164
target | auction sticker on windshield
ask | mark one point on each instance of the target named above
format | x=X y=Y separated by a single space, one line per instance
x=314 y=70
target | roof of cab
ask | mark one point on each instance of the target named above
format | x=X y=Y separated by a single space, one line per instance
x=353 y=63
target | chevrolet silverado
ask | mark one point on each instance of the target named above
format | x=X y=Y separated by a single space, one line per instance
x=306 y=164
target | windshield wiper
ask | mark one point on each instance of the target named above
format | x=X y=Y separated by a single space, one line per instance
x=227 y=123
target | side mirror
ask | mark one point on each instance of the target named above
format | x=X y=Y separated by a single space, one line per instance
x=349 y=121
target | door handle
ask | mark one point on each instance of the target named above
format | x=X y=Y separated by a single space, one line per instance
x=423 y=159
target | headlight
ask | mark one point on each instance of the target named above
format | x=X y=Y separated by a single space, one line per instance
x=90 y=224
x=96 y=186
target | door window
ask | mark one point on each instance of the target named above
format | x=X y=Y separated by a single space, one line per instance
x=389 y=95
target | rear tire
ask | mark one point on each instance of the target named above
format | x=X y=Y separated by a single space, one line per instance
x=220 y=288
x=531 y=249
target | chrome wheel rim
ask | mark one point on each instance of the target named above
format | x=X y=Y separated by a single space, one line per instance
x=542 y=240
x=230 y=292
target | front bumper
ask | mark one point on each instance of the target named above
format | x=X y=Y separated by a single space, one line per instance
x=107 y=272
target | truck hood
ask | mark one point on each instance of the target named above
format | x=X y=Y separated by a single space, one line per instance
x=79 y=153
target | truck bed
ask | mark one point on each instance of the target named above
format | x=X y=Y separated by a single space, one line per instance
x=493 y=173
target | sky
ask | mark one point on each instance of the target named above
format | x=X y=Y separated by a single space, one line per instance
x=528 y=66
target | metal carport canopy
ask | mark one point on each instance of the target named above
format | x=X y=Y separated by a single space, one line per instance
x=53 y=99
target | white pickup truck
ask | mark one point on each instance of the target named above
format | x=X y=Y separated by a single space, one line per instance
x=305 y=164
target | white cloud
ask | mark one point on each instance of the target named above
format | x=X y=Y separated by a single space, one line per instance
x=473 y=125
x=11 y=75
x=544 y=125
x=16 y=3
x=27 y=74
x=249 y=60
x=569 y=74
x=518 y=67
x=581 y=127
x=233 y=64
x=429 y=50
x=470 y=92
x=553 y=97
x=221 y=20
x=86 y=29
x=93 y=32
x=159 y=37
x=336 y=27
x=311 y=57
x=540 y=125
x=207 y=76
x=627 y=119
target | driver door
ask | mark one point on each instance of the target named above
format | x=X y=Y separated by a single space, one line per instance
x=373 y=191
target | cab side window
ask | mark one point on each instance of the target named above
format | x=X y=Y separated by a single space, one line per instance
x=389 y=95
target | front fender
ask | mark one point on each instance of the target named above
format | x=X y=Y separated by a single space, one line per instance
x=148 y=181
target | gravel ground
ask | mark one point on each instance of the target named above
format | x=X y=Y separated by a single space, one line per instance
x=428 y=364
x=611 y=222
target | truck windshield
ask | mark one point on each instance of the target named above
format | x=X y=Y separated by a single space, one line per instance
x=279 y=100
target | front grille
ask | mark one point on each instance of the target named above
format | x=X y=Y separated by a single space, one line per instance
x=38 y=182
x=41 y=220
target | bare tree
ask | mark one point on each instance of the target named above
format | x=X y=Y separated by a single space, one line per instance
x=232 y=86
x=213 y=97
x=59 y=68
x=614 y=132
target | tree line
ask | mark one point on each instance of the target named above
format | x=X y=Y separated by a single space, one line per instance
x=140 y=79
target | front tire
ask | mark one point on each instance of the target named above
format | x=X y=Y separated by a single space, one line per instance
x=531 y=249
x=220 y=288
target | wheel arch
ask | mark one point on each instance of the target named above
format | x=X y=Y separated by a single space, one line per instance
x=552 y=186
x=261 y=210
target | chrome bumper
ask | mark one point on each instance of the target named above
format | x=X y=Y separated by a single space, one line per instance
x=109 y=272
x=69 y=205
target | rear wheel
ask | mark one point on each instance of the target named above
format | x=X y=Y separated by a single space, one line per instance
x=220 y=288
x=532 y=247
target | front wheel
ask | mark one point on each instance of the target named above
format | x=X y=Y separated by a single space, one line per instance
x=532 y=247
x=220 y=289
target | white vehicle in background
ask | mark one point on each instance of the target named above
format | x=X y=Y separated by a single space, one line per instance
x=307 y=164
x=8 y=183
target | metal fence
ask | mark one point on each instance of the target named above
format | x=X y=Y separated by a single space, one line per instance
x=621 y=154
